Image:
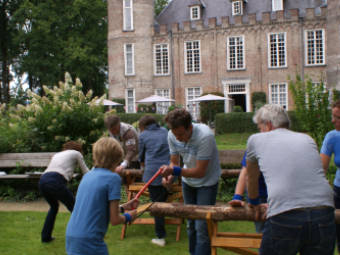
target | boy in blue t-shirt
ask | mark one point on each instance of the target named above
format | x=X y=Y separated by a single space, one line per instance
x=97 y=202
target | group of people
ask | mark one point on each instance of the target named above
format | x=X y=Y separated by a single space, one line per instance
x=282 y=173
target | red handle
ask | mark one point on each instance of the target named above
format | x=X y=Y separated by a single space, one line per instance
x=148 y=183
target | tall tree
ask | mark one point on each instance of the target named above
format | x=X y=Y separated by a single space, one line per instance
x=63 y=36
x=160 y=5
x=7 y=47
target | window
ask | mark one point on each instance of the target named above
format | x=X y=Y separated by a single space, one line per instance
x=129 y=59
x=162 y=107
x=193 y=107
x=277 y=5
x=192 y=57
x=128 y=15
x=130 y=99
x=195 y=12
x=277 y=50
x=235 y=53
x=315 y=47
x=161 y=59
x=278 y=94
x=237 y=8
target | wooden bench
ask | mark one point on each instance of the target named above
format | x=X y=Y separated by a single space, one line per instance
x=239 y=243
x=24 y=160
x=134 y=188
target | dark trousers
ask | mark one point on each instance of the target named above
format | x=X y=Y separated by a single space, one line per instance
x=52 y=186
x=337 y=206
x=159 y=194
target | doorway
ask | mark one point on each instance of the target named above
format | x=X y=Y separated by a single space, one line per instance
x=238 y=100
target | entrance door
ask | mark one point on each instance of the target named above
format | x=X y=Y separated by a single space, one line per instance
x=238 y=93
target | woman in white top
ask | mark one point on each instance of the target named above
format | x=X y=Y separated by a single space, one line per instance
x=52 y=184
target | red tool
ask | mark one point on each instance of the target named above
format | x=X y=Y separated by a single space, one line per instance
x=148 y=183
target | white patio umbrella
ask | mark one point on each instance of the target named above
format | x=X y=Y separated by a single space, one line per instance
x=209 y=97
x=107 y=102
x=155 y=99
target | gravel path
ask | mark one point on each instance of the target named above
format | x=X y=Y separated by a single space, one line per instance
x=39 y=206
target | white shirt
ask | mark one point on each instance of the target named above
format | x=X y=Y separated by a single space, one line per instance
x=65 y=162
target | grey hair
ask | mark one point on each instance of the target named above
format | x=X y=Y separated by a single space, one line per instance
x=272 y=113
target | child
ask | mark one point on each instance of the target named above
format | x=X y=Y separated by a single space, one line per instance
x=97 y=202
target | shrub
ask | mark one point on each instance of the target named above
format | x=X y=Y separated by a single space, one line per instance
x=63 y=114
x=208 y=109
x=234 y=122
x=119 y=108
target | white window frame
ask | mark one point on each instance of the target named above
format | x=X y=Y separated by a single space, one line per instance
x=193 y=107
x=126 y=56
x=162 y=107
x=315 y=51
x=279 y=100
x=277 y=5
x=191 y=53
x=228 y=86
x=237 y=8
x=133 y=101
x=127 y=10
x=195 y=12
x=164 y=60
x=239 y=42
x=277 y=49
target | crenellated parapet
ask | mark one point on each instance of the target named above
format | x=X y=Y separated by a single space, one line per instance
x=265 y=18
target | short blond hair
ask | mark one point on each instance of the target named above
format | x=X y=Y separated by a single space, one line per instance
x=107 y=153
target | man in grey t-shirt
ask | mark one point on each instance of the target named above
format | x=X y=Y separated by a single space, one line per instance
x=300 y=214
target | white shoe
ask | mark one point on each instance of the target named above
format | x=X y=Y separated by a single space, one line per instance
x=158 y=241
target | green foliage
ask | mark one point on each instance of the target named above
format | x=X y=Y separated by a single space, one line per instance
x=237 y=108
x=312 y=107
x=132 y=118
x=258 y=99
x=60 y=36
x=119 y=108
x=234 y=122
x=175 y=106
x=64 y=114
x=160 y=5
x=208 y=109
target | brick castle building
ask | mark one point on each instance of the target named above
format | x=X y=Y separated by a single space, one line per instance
x=235 y=47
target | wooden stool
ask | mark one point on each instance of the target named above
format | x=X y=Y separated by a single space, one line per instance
x=134 y=188
x=239 y=243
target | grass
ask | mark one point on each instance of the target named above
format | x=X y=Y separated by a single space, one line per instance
x=232 y=141
x=20 y=235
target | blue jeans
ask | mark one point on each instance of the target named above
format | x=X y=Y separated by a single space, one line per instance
x=159 y=194
x=337 y=206
x=52 y=186
x=199 y=242
x=309 y=231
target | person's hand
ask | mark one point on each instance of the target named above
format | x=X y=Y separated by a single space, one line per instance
x=236 y=203
x=133 y=214
x=133 y=203
x=167 y=182
x=166 y=170
x=260 y=211
x=119 y=169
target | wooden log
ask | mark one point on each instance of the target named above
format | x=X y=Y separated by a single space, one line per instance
x=218 y=213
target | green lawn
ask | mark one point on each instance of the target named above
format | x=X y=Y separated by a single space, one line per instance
x=232 y=141
x=20 y=235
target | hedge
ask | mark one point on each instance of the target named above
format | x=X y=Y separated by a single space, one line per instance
x=240 y=122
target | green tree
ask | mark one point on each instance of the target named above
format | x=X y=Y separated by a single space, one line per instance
x=60 y=36
x=160 y=5
x=312 y=107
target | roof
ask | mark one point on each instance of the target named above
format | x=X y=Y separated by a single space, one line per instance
x=178 y=11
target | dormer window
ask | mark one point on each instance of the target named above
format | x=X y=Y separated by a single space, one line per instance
x=237 y=8
x=195 y=12
x=277 y=5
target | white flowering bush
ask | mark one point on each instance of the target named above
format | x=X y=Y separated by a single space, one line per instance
x=64 y=113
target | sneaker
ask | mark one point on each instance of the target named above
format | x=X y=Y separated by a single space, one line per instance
x=158 y=241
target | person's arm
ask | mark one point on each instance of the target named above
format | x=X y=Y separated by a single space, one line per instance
x=131 y=144
x=253 y=173
x=141 y=152
x=325 y=161
x=196 y=172
x=117 y=218
x=82 y=164
x=239 y=189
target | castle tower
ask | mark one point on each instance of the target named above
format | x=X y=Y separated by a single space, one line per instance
x=333 y=43
x=130 y=26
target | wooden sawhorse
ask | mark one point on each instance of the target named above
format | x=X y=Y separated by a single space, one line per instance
x=240 y=243
x=134 y=188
